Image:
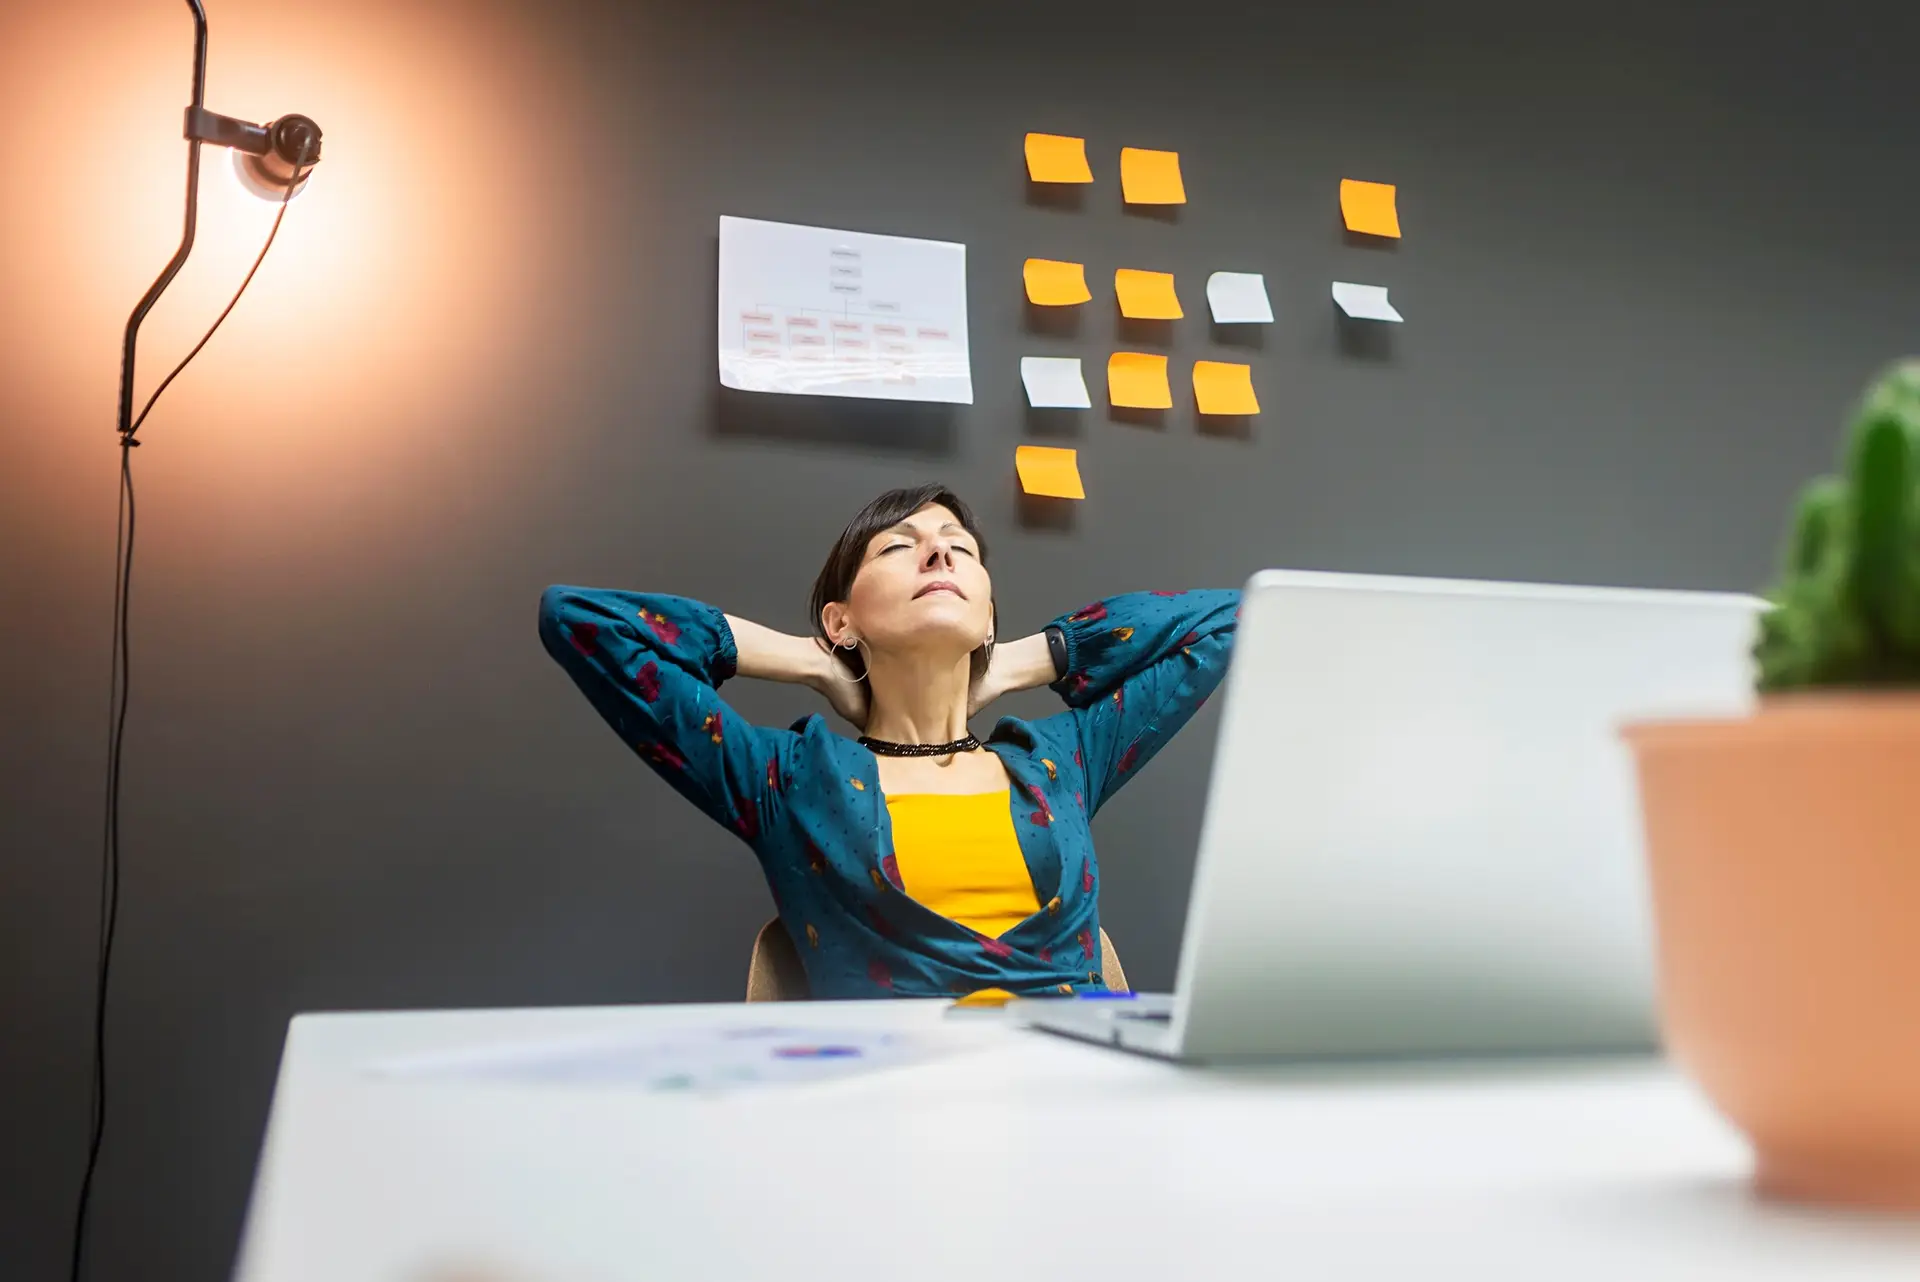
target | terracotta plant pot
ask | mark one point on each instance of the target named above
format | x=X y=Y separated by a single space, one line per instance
x=1785 y=860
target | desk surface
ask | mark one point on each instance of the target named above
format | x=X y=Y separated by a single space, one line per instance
x=1026 y=1156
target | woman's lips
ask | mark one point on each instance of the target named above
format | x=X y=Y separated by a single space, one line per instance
x=942 y=586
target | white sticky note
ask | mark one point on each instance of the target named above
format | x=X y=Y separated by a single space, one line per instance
x=1364 y=302
x=1239 y=298
x=1054 y=382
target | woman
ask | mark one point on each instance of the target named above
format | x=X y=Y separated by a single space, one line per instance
x=919 y=861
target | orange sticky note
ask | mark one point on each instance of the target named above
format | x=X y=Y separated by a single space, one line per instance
x=1369 y=208
x=1222 y=387
x=1056 y=158
x=1147 y=295
x=1045 y=470
x=1055 y=284
x=1151 y=177
x=1138 y=380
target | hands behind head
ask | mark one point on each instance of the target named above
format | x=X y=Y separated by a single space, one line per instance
x=987 y=687
x=849 y=696
x=843 y=693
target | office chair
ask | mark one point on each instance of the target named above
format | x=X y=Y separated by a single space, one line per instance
x=776 y=975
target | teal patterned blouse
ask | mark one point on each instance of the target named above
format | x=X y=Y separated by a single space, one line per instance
x=808 y=802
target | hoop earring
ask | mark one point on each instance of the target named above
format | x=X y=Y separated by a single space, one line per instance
x=853 y=643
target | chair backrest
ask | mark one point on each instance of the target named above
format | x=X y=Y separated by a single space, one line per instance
x=776 y=975
x=1111 y=971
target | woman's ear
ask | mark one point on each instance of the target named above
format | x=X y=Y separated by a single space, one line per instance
x=834 y=622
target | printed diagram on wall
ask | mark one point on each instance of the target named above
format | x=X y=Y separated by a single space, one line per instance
x=815 y=311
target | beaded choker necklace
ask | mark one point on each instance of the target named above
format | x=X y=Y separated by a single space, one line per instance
x=880 y=747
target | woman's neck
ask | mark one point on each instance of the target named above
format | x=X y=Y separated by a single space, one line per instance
x=914 y=700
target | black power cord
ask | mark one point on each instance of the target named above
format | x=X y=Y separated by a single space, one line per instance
x=116 y=738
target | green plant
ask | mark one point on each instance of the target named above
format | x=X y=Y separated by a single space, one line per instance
x=1847 y=609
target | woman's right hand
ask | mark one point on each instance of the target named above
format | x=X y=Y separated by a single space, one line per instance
x=845 y=695
x=765 y=655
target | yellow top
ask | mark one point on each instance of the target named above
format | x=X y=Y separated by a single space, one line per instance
x=959 y=855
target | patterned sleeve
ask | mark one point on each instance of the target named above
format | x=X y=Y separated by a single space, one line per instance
x=651 y=665
x=1138 y=667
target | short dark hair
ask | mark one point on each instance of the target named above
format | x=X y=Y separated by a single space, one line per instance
x=849 y=552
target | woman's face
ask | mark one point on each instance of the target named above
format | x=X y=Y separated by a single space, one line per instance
x=921 y=587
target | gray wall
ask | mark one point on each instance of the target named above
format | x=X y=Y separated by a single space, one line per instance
x=1649 y=260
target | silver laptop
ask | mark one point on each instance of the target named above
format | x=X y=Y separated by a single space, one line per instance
x=1422 y=834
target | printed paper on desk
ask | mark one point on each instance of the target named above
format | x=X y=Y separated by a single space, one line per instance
x=1138 y=380
x=838 y=313
x=1054 y=382
x=1151 y=177
x=1146 y=295
x=1051 y=283
x=1049 y=472
x=678 y=1059
x=1224 y=387
x=1364 y=302
x=1057 y=158
x=1239 y=298
x=1369 y=207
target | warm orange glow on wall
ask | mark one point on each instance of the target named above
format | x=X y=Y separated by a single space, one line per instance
x=402 y=299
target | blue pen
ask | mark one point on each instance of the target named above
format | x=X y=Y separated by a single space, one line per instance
x=1106 y=997
x=816 y=1052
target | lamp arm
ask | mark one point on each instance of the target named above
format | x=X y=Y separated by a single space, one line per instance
x=179 y=259
x=226 y=131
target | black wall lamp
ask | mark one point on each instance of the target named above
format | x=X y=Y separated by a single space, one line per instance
x=274 y=160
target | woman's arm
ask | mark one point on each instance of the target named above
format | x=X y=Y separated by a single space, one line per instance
x=1138 y=666
x=768 y=655
x=1026 y=664
x=651 y=665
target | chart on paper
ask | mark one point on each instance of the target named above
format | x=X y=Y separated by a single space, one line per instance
x=814 y=311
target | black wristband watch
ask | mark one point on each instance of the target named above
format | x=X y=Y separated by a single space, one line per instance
x=1057 y=650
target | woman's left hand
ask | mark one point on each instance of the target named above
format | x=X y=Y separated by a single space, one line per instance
x=1026 y=664
x=987 y=687
x=845 y=695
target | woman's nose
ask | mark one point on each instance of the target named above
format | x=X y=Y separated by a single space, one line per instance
x=939 y=553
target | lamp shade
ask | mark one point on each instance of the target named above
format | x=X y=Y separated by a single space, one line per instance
x=293 y=146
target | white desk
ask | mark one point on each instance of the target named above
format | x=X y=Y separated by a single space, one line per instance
x=1030 y=1158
